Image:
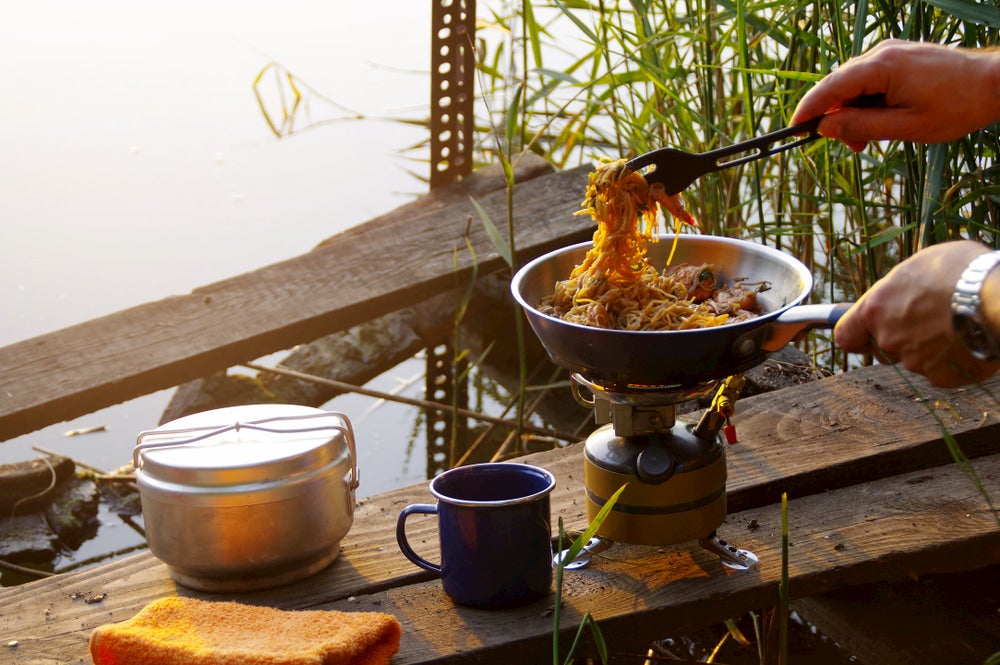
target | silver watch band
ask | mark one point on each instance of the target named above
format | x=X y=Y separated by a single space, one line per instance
x=967 y=311
x=968 y=290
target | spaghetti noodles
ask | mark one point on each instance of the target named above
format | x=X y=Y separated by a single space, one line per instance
x=616 y=287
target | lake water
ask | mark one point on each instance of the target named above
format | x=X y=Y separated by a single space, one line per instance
x=138 y=165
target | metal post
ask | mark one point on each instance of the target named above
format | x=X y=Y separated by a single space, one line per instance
x=453 y=67
x=453 y=25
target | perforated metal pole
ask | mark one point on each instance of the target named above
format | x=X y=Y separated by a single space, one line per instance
x=453 y=26
x=453 y=66
x=447 y=433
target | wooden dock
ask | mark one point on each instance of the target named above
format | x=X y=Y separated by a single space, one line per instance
x=404 y=257
x=874 y=493
x=873 y=496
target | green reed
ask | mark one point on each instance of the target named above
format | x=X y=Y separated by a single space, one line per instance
x=605 y=79
x=581 y=81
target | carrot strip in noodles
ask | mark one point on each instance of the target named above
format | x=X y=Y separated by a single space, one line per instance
x=615 y=286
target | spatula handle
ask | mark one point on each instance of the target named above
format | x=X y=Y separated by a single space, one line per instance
x=763 y=146
x=775 y=142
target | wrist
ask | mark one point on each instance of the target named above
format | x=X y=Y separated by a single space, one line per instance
x=990 y=60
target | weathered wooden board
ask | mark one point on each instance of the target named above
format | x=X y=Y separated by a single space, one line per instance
x=843 y=533
x=930 y=620
x=399 y=259
x=877 y=530
x=872 y=417
x=851 y=536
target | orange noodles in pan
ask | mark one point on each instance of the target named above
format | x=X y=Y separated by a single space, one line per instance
x=616 y=287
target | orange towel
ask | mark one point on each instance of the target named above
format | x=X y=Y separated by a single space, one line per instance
x=185 y=631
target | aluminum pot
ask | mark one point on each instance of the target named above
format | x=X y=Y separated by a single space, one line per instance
x=624 y=359
x=247 y=497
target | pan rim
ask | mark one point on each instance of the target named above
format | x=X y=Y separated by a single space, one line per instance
x=800 y=269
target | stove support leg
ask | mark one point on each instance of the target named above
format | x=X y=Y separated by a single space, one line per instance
x=730 y=556
x=593 y=546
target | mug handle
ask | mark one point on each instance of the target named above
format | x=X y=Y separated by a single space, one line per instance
x=404 y=545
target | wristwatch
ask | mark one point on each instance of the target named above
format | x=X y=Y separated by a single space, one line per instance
x=967 y=309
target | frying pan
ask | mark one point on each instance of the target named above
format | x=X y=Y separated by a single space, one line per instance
x=661 y=360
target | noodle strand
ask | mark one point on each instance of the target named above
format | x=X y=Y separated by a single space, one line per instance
x=616 y=287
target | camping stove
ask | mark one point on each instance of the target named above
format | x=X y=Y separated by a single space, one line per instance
x=674 y=472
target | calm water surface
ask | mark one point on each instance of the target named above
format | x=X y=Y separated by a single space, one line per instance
x=137 y=165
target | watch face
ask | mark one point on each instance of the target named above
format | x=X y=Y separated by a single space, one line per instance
x=966 y=304
x=978 y=340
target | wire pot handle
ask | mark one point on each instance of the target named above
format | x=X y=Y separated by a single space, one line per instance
x=202 y=433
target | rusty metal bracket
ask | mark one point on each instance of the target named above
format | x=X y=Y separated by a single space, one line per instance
x=453 y=68
x=446 y=383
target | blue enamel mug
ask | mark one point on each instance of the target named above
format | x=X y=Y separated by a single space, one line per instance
x=494 y=527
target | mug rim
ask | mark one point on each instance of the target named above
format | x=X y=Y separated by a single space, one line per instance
x=471 y=468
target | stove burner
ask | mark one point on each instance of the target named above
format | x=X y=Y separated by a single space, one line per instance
x=734 y=558
x=635 y=394
x=674 y=473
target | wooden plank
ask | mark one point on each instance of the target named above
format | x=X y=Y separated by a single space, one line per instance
x=859 y=534
x=415 y=252
x=873 y=417
x=50 y=619
x=925 y=621
x=850 y=536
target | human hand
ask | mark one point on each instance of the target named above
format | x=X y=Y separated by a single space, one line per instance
x=906 y=317
x=932 y=94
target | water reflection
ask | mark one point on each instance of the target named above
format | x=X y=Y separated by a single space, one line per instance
x=138 y=164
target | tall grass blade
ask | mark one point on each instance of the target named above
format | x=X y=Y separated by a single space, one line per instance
x=980 y=13
x=577 y=546
x=936 y=156
x=570 y=555
x=783 y=591
x=496 y=237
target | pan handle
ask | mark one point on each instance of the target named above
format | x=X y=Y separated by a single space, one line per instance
x=796 y=320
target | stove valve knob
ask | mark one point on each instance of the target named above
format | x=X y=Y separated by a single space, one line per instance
x=654 y=464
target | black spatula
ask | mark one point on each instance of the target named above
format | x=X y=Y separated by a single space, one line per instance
x=676 y=169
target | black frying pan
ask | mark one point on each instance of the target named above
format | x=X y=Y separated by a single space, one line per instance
x=623 y=359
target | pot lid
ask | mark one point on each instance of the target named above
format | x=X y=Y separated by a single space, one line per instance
x=245 y=444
